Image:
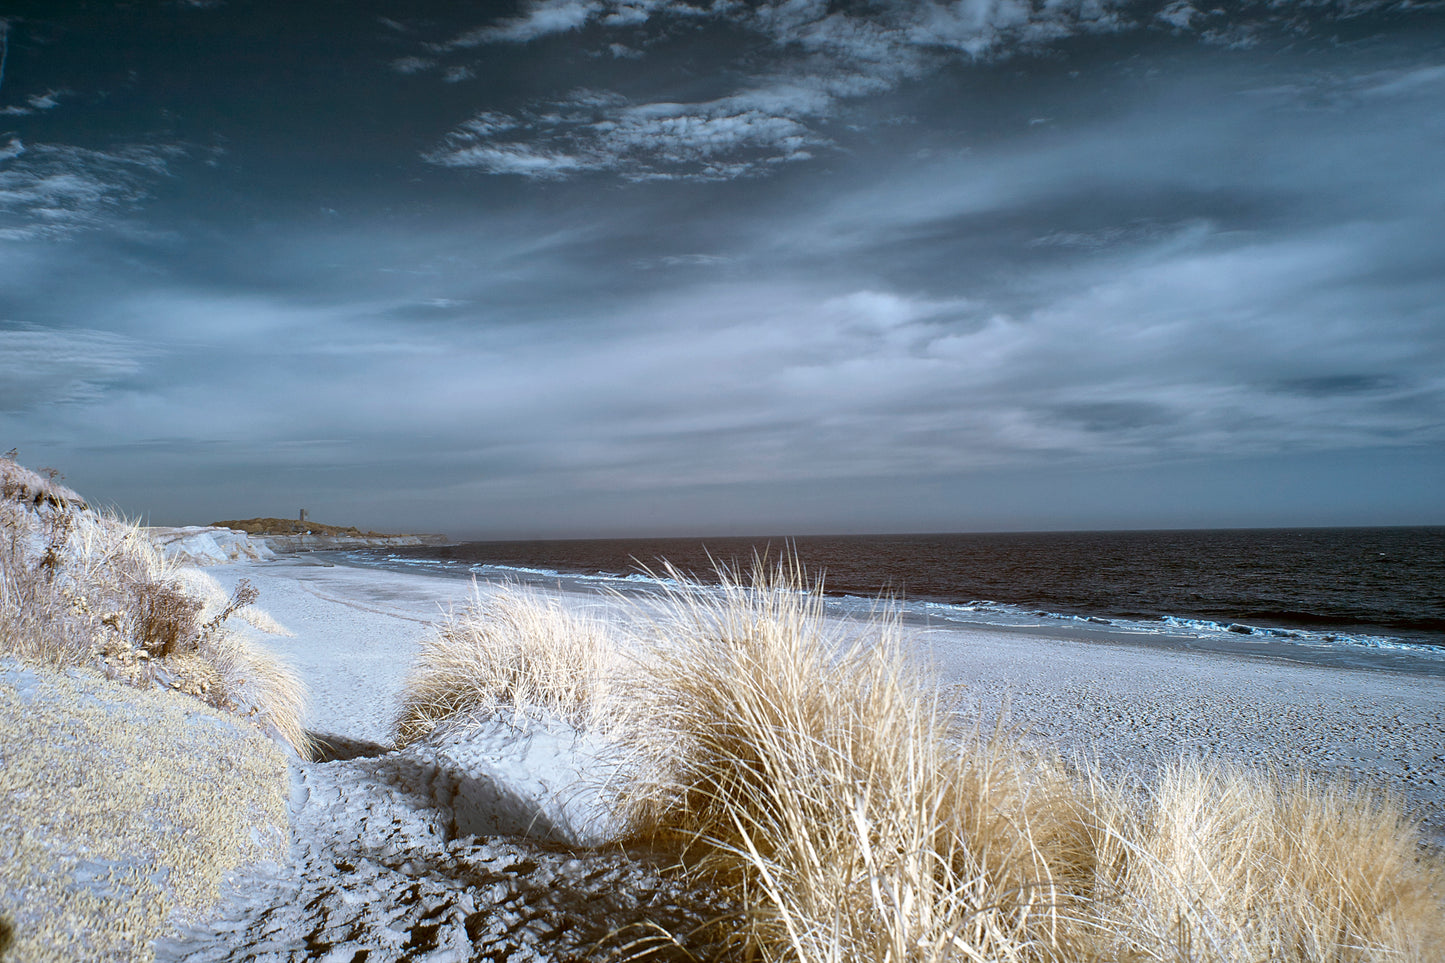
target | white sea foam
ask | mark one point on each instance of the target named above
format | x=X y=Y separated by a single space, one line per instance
x=977 y=612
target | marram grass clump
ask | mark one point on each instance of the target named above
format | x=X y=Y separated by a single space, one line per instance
x=505 y=652
x=810 y=771
x=801 y=771
x=1222 y=863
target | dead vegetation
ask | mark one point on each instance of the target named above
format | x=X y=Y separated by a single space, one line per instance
x=78 y=588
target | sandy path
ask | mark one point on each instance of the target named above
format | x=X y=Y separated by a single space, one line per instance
x=377 y=874
x=413 y=854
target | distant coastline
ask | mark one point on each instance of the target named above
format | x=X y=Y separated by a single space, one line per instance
x=268 y=527
x=260 y=539
x=1366 y=596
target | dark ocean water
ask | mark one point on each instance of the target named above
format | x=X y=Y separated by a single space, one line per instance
x=1381 y=588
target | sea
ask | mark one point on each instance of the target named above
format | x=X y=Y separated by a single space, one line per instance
x=1368 y=598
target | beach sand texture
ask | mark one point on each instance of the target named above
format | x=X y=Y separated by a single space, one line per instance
x=123 y=807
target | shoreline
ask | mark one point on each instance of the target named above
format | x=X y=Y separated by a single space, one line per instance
x=1411 y=659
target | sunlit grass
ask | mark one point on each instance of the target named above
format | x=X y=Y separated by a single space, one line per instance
x=805 y=770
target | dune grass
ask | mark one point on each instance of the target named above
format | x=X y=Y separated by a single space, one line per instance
x=806 y=770
x=509 y=651
x=801 y=771
x=815 y=777
x=79 y=588
x=1222 y=863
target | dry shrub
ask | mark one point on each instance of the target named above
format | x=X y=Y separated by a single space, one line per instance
x=166 y=618
x=78 y=588
x=809 y=774
x=42 y=615
x=509 y=651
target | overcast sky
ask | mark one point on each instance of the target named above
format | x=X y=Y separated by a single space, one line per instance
x=581 y=267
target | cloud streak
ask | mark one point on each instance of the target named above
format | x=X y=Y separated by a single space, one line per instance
x=741 y=135
x=55 y=190
x=825 y=57
x=44 y=367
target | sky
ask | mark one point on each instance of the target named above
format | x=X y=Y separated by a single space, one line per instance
x=562 y=268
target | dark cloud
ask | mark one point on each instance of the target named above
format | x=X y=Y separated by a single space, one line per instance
x=1325 y=386
x=740 y=135
x=836 y=266
x=825 y=55
x=1116 y=416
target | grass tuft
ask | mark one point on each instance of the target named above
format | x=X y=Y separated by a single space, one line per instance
x=1221 y=863
x=801 y=771
x=507 y=652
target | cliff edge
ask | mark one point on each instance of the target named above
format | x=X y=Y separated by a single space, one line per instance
x=229 y=542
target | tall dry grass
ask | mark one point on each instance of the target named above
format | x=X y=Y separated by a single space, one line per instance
x=806 y=770
x=801 y=771
x=80 y=588
x=812 y=775
x=1221 y=863
x=509 y=651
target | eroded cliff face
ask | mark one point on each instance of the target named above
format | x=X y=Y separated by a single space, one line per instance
x=205 y=545
x=286 y=544
x=209 y=545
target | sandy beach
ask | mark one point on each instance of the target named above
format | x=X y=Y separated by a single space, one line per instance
x=473 y=849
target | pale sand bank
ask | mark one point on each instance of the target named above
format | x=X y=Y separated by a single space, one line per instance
x=381 y=860
x=110 y=822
